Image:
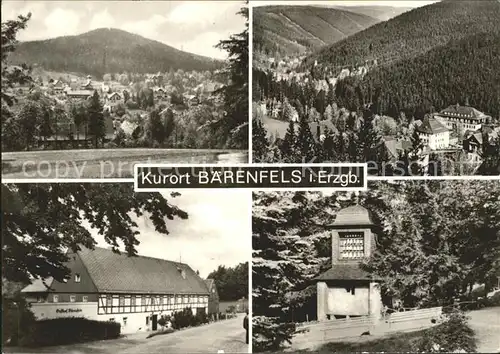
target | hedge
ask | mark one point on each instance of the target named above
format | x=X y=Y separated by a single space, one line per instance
x=185 y=318
x=69 y=330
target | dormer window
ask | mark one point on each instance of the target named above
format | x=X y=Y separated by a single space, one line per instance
x=351 y=245
x=77 y=278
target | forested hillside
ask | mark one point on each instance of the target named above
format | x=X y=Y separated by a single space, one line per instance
x=413 y=33
x=464 y=71
x=382 y=13
x=296 y=29
x=108 y=51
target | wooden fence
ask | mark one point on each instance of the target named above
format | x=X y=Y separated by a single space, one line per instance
x=313 y=334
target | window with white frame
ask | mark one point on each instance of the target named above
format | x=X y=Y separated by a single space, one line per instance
x=351 y=245
x=55 y=298
x=85 y=298
x=72 y=298
x=77 y=278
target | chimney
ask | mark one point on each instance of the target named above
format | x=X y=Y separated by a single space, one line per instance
x=318 y=131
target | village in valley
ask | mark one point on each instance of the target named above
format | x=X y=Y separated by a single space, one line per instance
x=307 y=108
x=113 y=94
x=175 y=104
x=457 y=133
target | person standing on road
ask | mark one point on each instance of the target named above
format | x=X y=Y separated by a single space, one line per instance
x=245 y=325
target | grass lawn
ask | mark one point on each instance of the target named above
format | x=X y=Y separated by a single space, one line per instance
x=105 y=163
x=401 y=342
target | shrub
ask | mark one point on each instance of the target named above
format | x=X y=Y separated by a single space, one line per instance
x=269 y=334
x=164 y=320
x=132 y=104
x=17 y=320
x=493 y=300
x=183 y=319
x=453 y=335
x=69 y=330
x=201 y=318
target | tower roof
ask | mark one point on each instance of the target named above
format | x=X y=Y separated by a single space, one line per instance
x=355 y=215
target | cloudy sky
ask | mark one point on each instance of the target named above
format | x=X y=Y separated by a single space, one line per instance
x=193 y=26
x=393 y=3
x=217 y=232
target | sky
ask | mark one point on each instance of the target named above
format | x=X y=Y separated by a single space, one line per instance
x=193 y=26
x=217 y=231
x=393 y=3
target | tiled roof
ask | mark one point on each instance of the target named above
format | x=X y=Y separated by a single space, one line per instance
x=395 y=146
x=345 y=272
x=114 y=94
x=431 y=125
x=120 y=273
x=128 y=127
x=353 y=215
x=462 y=112
x=38 y=286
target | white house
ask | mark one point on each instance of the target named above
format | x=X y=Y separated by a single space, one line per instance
x=433 y=134
x=462 y=117
x=106 y=286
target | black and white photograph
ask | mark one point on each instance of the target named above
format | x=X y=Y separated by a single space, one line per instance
x=410 y=87
x=89 y=88
x=97 y=268
x=406 y=266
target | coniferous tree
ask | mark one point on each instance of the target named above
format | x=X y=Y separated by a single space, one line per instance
x=490 y=166
x=352 y=148
x=328 y=147
x=306 y=145
x=435 y=166
x=288 y=147
x=235 y=123
x=341 y=147
x=96 y=128
x=260 y=143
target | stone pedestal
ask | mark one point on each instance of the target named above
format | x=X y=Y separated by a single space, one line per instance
x=322 y=293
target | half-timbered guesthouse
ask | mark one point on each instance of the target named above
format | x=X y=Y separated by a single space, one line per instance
x=106 y=286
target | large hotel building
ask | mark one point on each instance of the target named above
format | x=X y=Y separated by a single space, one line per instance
x=133 y=291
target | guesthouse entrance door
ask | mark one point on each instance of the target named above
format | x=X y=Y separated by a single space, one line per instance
x=154 y=325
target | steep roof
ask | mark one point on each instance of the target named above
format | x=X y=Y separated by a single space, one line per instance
x=396 y=146
x=353 y=215
x=139 y=274
x=459 y=111
x=431 y=125
x=345 y=272
x=114 y=94
x=119 y=273
x=38 y=286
